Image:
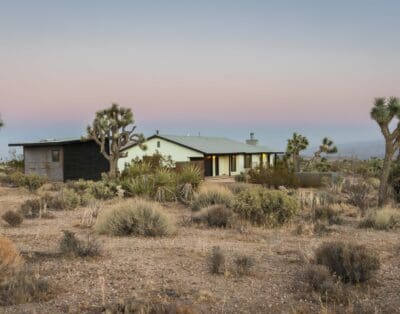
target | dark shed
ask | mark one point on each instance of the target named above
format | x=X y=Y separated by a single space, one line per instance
x=62 y=160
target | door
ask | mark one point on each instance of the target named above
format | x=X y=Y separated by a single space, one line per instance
x=208 y=168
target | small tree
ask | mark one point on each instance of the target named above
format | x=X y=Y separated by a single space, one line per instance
x=326 y=147
x=295 y=145
x=383 y=112
x=109 y=130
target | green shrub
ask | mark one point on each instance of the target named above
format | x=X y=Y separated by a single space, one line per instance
x=163 y=185
x=381 y=219
x=31 y=208
x=190 y=174
x=134 y=217
x=139 y=186
x=212 y=195
x=72 y=246
x=70 y=199
x=103 y=190
x=274 y=177
x=216 y=261
x=238 y=187
x=350 y=262
x=265 y=207
x=13 y=218
x=136 y=169
x=30 y=181
x=215 y=216
x=244 y=264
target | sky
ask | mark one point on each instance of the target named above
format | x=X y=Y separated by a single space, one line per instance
x=223 y=68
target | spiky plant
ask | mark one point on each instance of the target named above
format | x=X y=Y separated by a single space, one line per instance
x=384 y=111
x=109 y=130
x=326 y=147
x=295 y=145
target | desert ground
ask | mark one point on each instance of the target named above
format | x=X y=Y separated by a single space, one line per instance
x=174 y=269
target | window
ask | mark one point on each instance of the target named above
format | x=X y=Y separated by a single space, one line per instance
x=158 y=144
x=233 y=163
x=55 y=155
x=247 y=161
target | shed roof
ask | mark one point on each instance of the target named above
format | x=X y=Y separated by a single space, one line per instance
x=51 y=142
x=212 y=145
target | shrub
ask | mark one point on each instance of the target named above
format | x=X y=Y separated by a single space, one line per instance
x=277 y=176
x=139 y=186
x=12 y=218
x=350 y=262
x=216 y=261
x=381 y=219
x=31 y=208
x=244 y=264
x=212 y=195
x=242 y=177
x=136 y=169
x=10 y=259
x=163 y=185
x=265 y=207
x=134 y=217
x=358 y=195
x=103 y=190
x=70 y=199
x=327 y=213
x=189 y=174
x=22 y=287
x=215 y=216
x=31 y=181
x=70 y=245
x=238 y=187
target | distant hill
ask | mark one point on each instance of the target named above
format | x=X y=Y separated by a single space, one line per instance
x=361 y=150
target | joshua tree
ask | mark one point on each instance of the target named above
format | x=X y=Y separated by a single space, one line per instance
x=295 y=145
x=383 y=112
x=326 y=147
x=109 y=130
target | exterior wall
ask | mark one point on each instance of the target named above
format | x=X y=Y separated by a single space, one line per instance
x=177 y=152
x=84 y=161
x=39 y=160
x=224 y=165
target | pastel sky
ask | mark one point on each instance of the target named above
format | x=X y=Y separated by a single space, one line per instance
x=216 y=67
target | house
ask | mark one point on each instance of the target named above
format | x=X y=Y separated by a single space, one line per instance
x=219 y=156
x=62 y=160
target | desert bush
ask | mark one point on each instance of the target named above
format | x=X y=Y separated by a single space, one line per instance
x=103 y=190
x=13 y=218
x=31 y=208
x=212 y=195
x=359 y=195
x=244 y=264
x=72 y=246
x=30 y=181
x=138 y=186
x=265 y=207
x=90 y=214
x=238 y=187
x=242 y=177
x=319 y=279
x=134 y=217
x=349 y=262
x=327 y=213
x=133 y=305
x=70 y=199
x=136 y=169
x=163 y=185
x=10 y=259
x=189 y=174
x=277 y=176
x=215 y=216
x=216 y=261
x=381 y=219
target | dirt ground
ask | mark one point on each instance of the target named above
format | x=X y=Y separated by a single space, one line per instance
x=174 y=269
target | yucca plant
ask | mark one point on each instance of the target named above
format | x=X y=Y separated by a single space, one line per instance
x=295 y=145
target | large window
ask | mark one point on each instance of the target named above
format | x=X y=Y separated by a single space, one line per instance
x=55 y=155
x=233 y=163
x=247 y=161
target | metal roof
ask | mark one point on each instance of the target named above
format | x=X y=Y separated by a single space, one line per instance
x=51 y=142
x=212 y=145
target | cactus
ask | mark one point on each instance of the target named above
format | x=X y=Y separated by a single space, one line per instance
x=295 y=145
x=109 y=130
x=383 y=112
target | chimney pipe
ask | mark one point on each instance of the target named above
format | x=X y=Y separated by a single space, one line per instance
x=252 y=140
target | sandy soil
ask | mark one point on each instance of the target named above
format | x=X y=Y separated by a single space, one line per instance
x=174 y=269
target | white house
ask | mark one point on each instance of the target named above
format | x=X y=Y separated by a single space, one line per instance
x=221 y=156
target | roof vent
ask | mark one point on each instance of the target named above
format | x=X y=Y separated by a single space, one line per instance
x=157 y=132
x=252 y=140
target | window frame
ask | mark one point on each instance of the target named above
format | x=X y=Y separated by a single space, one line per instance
x=54 y=153
x=248 y=161
x=233 y=163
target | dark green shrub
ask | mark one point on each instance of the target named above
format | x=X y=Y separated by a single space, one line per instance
x=138 y=186
x=215 y=216
x=13 y=218
x=350 y=262
x=134 y=217
x=265 y=207
x=163 y=185
x=216 y=261
x=136 y=169
x=212 y=195
x=31 y=208
x=103 y=190
x=189 y=174
x=277 y=176
x=71 y=245
x=244 y=264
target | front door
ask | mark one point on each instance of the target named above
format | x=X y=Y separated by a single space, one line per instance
x=208 y=166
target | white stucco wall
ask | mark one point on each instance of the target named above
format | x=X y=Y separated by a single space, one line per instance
x=177 y=152
x=223 y=165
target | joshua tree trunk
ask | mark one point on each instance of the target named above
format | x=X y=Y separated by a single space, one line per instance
x=387 y=162
x=296 y=162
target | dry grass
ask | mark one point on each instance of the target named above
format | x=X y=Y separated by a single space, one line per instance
x=10 y=259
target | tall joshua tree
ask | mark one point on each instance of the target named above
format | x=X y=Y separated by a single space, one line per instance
x=294 y=146
x=383 y=112
x=110 y=130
